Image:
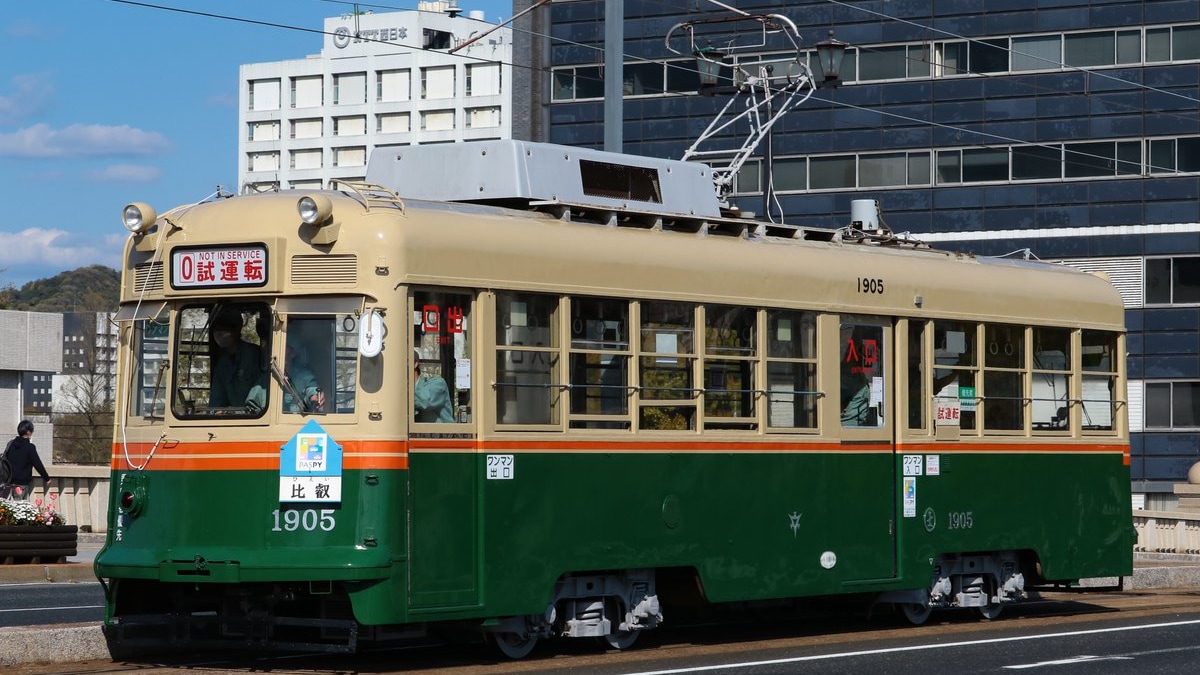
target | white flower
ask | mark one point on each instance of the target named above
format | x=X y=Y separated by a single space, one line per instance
x=24 y=513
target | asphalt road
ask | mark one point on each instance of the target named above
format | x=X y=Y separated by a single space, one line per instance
x=32 y=604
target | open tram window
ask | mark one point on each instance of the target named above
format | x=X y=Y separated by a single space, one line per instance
x=599 y=363
x=668 y=393
x=730 y=355
x=1003 y=397
x=222 y=352
x=1051 y=379
x=955 y=373
x=527 y=390
x=791 y=370
x=442 y=357
x=1098 y=354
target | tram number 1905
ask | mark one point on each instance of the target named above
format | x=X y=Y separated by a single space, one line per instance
x=309 y=520
x=961 y=520
x=870 y=285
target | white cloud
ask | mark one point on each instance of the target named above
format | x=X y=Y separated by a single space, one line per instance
x=24 y=29
x=125 y=173
x=82 y=140
x=30 y=94
x=223 y=99
x=36 y=248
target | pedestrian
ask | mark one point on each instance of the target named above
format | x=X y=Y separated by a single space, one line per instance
x=22 y=456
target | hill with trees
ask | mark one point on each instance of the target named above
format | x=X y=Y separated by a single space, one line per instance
x=94 y=288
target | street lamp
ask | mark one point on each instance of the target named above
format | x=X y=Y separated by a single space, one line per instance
x=830 y=53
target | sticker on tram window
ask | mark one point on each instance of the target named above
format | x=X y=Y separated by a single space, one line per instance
x=219 y=267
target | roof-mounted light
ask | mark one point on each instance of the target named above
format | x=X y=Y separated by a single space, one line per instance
x=315 y=209
x=138 y=218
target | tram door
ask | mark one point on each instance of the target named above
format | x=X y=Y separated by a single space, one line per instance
x=443 y=491
x=868 y=443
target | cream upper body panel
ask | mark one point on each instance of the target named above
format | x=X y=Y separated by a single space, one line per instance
x=486 y=247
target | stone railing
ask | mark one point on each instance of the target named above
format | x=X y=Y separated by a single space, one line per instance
x=82 y=495
x=1167 y=532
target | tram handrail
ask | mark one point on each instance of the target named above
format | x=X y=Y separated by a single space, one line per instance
x=496 y=384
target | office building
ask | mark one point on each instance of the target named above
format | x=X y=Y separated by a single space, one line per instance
x=434 y=75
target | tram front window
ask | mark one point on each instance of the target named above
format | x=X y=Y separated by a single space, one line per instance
x=319 y=364
x=222 y=352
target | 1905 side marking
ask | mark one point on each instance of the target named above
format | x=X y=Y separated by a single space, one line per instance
x=870 y=285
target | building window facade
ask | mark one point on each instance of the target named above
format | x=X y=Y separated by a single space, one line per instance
x=307 y=92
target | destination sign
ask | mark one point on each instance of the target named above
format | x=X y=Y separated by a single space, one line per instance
x=219 y=267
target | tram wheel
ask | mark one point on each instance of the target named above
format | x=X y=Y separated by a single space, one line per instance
x=991 y=611
x=622 y=639
x=917 y=613
x=513 y=645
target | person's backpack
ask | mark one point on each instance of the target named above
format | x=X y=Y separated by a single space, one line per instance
x=5 y=466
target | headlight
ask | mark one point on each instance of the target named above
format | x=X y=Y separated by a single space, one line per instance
x=314 y=209
x=131 y=499
x=138 y=218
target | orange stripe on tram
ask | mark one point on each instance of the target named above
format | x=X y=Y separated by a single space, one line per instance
x=251 y=456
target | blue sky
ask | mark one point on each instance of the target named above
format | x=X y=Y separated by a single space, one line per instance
x=103 y=103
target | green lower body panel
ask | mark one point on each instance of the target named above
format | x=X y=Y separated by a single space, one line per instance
x=450 y=540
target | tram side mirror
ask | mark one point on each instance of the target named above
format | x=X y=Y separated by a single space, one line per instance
x=370 y=334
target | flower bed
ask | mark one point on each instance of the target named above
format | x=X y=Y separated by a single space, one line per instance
x=35 y=532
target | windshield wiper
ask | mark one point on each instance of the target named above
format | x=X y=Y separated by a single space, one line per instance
x=162 y=369
x=287 y=385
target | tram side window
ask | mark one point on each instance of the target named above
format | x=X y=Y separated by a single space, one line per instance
x=791 y=370
x=955 y=373
x=1099 y=350
x=1003 y=397
x=918 y=396
x=150 y=353
x=442 y=373
x=1051 y=379
x=599 y=364
x=668 y=393
x=527 y=390
x=730 y=355
x=222 y=352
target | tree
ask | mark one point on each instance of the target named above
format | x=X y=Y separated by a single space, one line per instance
x=83 y=403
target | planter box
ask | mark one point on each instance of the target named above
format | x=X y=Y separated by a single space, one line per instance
x=37 y=543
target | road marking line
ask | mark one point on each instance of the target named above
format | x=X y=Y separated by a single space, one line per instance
x=913 y=648
x=49 y=609
x=1065 y=662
